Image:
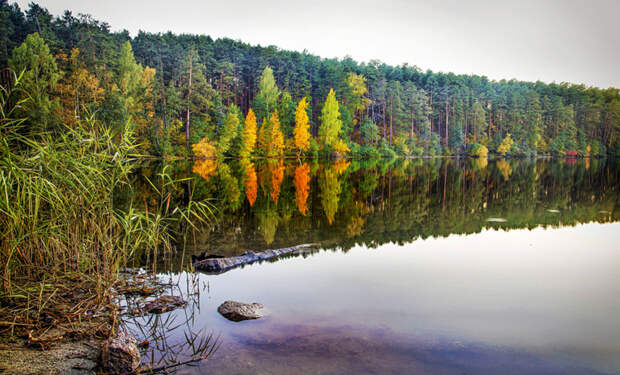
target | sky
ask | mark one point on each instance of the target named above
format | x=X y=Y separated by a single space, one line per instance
x=548 y=40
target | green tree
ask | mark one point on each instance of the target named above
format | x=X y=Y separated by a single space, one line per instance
x=39 y=80
x=266 y=100
x=229 y=130
x=329 y=130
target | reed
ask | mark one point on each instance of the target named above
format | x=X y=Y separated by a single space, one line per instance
x=62 y=240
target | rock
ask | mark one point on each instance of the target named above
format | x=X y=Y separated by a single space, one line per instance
x=238 y=311
x=120 y=354
x=217 y=264
x=164 y=304
x=204 y=256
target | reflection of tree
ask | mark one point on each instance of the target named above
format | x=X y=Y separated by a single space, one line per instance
x=205 y=168
x=268 y=222
x=330 y=188
x=374 y=202
x=504 y=168
x=479 y=163
x=356 y=226
x=230 y=187
x=302 y=187
x=277 y=175
x=251 y=183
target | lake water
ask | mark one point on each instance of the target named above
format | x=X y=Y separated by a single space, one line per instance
x=438 y=266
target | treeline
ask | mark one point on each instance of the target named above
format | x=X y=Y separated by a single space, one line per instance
x=226 y=97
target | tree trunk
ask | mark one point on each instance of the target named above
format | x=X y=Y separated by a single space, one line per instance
x=189 y=96
x=391 y=117
x=447 y=118
x=412 y=122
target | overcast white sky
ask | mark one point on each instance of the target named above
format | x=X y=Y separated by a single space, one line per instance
x=548 y=40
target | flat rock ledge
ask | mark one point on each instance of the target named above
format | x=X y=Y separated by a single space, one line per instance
x=239 y=311
x=212 y=264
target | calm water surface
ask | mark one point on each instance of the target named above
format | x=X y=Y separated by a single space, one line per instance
x=430 y=267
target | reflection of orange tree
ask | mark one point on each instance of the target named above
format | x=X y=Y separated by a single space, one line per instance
x=302 y=187
x=504 y=169
x=251 y=182
x=330 y=188
x=277 y=175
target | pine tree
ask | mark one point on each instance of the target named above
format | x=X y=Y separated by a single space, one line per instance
x=329 y=130
x=249 y=134
x=300 y=133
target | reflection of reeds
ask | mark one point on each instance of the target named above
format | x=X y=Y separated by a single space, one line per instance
x=155 y=330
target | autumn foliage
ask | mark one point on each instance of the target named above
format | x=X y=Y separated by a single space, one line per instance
x=251 y=184
x=300 y=132
x=302 y=187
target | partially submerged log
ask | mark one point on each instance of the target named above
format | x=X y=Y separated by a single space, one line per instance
x=218 y=265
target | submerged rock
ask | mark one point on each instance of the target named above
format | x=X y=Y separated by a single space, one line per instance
x=164 y=304
x=216 y=264
x=120 y=354
x=238 y=311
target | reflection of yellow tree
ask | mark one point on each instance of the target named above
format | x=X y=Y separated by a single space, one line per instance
x=302 y=187
x=277 y=175
x=205 y=168
x=331 y=187
x=504 y=169
x=479 y=163
x=340 y=166
x=251 y=183
x=355 y=226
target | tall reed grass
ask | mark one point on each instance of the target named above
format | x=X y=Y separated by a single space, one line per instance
x=62 y=240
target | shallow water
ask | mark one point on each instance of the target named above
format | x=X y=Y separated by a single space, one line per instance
x=411 y=275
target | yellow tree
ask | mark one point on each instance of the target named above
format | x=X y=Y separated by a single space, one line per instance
x=264 y=137
x=206 y=165
x=300 y=132
x=79 y=90
x=249 y=134
x=276 y=139
x=506 y=145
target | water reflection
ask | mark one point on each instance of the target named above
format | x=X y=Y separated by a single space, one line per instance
x=264 y=204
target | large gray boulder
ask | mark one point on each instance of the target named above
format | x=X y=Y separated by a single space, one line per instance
x=238 y=311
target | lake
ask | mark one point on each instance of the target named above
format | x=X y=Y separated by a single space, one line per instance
x=429 y=266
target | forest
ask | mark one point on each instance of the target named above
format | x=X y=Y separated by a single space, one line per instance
x=184 y=94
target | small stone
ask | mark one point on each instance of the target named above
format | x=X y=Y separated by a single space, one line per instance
x=120 y=354
x=164 y=304
x=238 y=311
